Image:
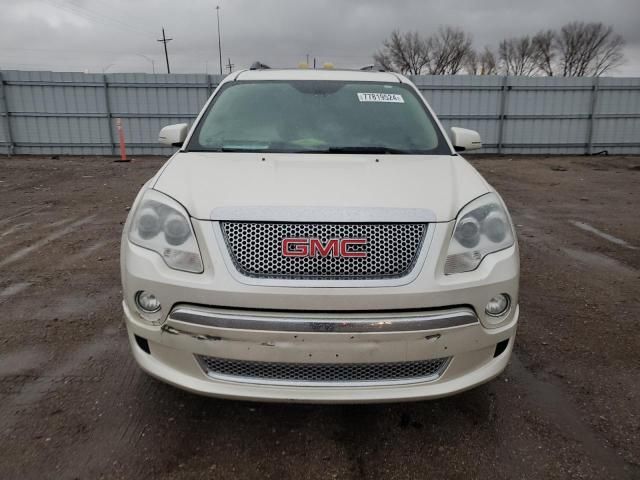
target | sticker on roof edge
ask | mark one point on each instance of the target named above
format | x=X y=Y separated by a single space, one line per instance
x=380 y=97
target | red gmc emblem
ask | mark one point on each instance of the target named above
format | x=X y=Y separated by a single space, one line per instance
x=314 y=247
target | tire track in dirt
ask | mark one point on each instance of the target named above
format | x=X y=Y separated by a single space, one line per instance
x=20 y=254
x=556 y=407
x=52 y=378
x=21 y=213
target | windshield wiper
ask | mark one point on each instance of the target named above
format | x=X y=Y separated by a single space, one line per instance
x=346 y=149
x=365 y=149
x=237 y=149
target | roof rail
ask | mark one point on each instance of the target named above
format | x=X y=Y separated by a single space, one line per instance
x=376 y=67
x=259 y=66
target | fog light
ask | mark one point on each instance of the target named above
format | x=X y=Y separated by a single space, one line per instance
x=498 y=305
x=147 y=302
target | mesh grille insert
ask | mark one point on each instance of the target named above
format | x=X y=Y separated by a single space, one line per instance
x=391 y=249
x=272 y=372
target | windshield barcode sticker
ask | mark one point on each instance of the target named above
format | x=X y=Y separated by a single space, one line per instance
x=380 y=97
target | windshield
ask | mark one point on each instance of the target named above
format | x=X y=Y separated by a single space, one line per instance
x=318 y=117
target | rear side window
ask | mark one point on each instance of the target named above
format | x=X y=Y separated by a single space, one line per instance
x=318 y=116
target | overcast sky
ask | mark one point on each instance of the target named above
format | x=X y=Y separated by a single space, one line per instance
x=116 y=35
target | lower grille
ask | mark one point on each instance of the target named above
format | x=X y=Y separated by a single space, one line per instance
x=322 y=373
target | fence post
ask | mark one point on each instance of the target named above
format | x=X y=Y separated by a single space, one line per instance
x=5 y=113
x=107 y=103
x=592 y=112
x=504 y=89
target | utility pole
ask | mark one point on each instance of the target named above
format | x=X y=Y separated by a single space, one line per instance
x=219 y=43
x=230 y=65
x=166 y=55
x=307 y=59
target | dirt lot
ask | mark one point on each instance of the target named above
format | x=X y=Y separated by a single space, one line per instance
x=74 y=405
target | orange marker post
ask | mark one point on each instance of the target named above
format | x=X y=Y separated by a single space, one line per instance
x=123 y=146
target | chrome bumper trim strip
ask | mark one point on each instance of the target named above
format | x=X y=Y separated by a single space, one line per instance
x=324 y=322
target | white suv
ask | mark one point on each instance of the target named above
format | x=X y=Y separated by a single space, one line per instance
x=317 y=238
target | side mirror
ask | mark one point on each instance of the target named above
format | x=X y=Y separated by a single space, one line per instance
x=464 y=139
x=174 y=135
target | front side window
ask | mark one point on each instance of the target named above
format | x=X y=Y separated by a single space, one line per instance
x=318 y=117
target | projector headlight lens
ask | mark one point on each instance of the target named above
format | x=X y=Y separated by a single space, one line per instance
x=482 y=227
x=161 y=224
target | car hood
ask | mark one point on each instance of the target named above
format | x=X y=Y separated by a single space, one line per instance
x=212 y=182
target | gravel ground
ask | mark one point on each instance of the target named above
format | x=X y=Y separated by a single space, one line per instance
x=73 y=404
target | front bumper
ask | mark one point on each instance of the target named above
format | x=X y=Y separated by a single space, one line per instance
x=469 y=349
x=174 y=343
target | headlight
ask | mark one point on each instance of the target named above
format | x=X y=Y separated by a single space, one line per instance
x=162 y=225
x=482 y=227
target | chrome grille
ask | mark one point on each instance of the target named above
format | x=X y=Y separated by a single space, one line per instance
x=392 y=249
x=331 y=373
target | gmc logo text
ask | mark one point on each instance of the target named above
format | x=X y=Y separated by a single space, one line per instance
x=314 y=247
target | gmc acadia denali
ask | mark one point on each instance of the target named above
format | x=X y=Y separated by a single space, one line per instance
x=317 y=238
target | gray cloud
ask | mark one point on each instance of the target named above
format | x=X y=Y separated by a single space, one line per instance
x=116 y=35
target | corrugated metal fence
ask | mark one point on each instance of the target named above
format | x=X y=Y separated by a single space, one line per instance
x=73 y=113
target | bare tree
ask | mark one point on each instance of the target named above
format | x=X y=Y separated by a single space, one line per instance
x=544 y=45
x=383 y=58
x=404 y=52
x=472 y=63
x=588 y=49
x=481 y=63
x=448 y=50
x=577 y=49
x=488 y=62
x=518 y=56
x=441 y=54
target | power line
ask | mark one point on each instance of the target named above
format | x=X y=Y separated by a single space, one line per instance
x=166 y=55
x=96 y=17
x=93 y=15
